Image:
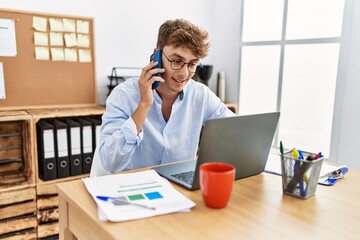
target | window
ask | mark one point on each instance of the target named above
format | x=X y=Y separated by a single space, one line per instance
x=289 y=54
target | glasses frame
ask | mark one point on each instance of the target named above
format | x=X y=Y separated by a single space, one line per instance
x=184 y=63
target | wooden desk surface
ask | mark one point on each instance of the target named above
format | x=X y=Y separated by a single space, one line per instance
x=257 y=210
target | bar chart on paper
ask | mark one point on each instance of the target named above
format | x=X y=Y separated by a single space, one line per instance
x=145 y=194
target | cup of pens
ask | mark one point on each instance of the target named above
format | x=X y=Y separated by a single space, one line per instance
x=300 y=172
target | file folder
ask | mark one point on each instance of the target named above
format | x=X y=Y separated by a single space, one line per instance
x=86 y=144
x=96 y=125
x=46 y=150
x=61 y=148
x=74 y=146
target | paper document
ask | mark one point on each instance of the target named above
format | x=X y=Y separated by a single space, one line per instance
x=7 y=38
x=2 y=82
x=131 y=196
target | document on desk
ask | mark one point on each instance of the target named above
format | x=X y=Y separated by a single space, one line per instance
x=131 y=196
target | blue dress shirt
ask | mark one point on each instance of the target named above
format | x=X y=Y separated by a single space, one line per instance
x=121 y=148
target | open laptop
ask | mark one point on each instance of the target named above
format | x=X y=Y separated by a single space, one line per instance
x=243 y=141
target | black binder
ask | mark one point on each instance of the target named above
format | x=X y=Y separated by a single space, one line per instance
x=74 y=146
x=96 y=125
x=61 y=148
x=86 y=144
x=46 y=150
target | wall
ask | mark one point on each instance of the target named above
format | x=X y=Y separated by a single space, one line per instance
x=126 y=31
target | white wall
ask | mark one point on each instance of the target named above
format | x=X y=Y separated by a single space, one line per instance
x=126 y=31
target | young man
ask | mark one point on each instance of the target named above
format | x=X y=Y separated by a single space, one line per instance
x=144 y=127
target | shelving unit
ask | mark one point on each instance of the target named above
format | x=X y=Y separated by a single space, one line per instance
x=29 y=205
x=46 y=192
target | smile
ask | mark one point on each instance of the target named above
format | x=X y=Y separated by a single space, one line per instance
x=179 y=81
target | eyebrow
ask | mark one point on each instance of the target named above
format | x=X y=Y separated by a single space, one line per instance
x=182 y=58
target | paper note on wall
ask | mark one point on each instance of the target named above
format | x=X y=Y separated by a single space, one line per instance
x=41 y=39
x=70 y=39
x=82 y=26
x=42 y=53
x=57 y=54
x=7 y=38
x=84 y=55
x=2 y=82
x=70 y=55
x=83 y=40
x=69 y=25
x=56 y=39
x=56 y=24
x=40 y=24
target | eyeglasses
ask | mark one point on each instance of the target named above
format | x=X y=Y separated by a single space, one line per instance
x=178 y=64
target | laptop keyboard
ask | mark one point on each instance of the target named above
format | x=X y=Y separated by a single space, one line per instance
x=186 y=177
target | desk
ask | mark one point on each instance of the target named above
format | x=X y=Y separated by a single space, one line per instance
x=257 y=210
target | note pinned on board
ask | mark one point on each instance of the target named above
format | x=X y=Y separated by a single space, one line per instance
x=70 y=39
x=7 y=38
x=56 y=25
x=56 y=39
x=42 y=53
x=70 y=55
x=84 y=55
x=69 y=25
x=2 y=82
x=57 y=54
x=82 y=26
x=40 y=24
x=83 y=40
x=41 y=39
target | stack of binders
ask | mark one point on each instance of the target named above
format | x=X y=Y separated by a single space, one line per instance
x=66 y=146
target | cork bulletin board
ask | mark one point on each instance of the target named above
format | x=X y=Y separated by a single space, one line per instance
x=49 y=71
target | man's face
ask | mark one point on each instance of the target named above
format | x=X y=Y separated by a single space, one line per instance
x=175 y=80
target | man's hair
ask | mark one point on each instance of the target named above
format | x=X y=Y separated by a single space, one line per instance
x=182 y=33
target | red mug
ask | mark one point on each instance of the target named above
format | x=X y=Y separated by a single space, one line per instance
x=216 y=183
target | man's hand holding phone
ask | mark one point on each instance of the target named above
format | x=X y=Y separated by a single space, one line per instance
x=149 y=75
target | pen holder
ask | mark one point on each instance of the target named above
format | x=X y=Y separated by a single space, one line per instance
x=300 y=177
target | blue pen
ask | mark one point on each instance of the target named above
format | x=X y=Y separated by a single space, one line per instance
x=301 y=182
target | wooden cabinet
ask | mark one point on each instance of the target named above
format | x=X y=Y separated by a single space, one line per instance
x=29 y=205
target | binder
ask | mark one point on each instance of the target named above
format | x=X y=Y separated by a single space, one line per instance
x=61 y=148
x=74 y=146
x=46 y=150
x=96 y=125
x=86 y=144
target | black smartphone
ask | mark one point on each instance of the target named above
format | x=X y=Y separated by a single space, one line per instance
x=156 y=57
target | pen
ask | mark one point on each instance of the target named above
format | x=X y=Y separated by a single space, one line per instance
x=281 y=148
x=121 y=200
x=319 y=155
x=298 y=168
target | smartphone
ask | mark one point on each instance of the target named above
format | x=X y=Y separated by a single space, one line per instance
x=156 y=57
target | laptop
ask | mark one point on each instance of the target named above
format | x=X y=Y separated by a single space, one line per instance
x=243 y=141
